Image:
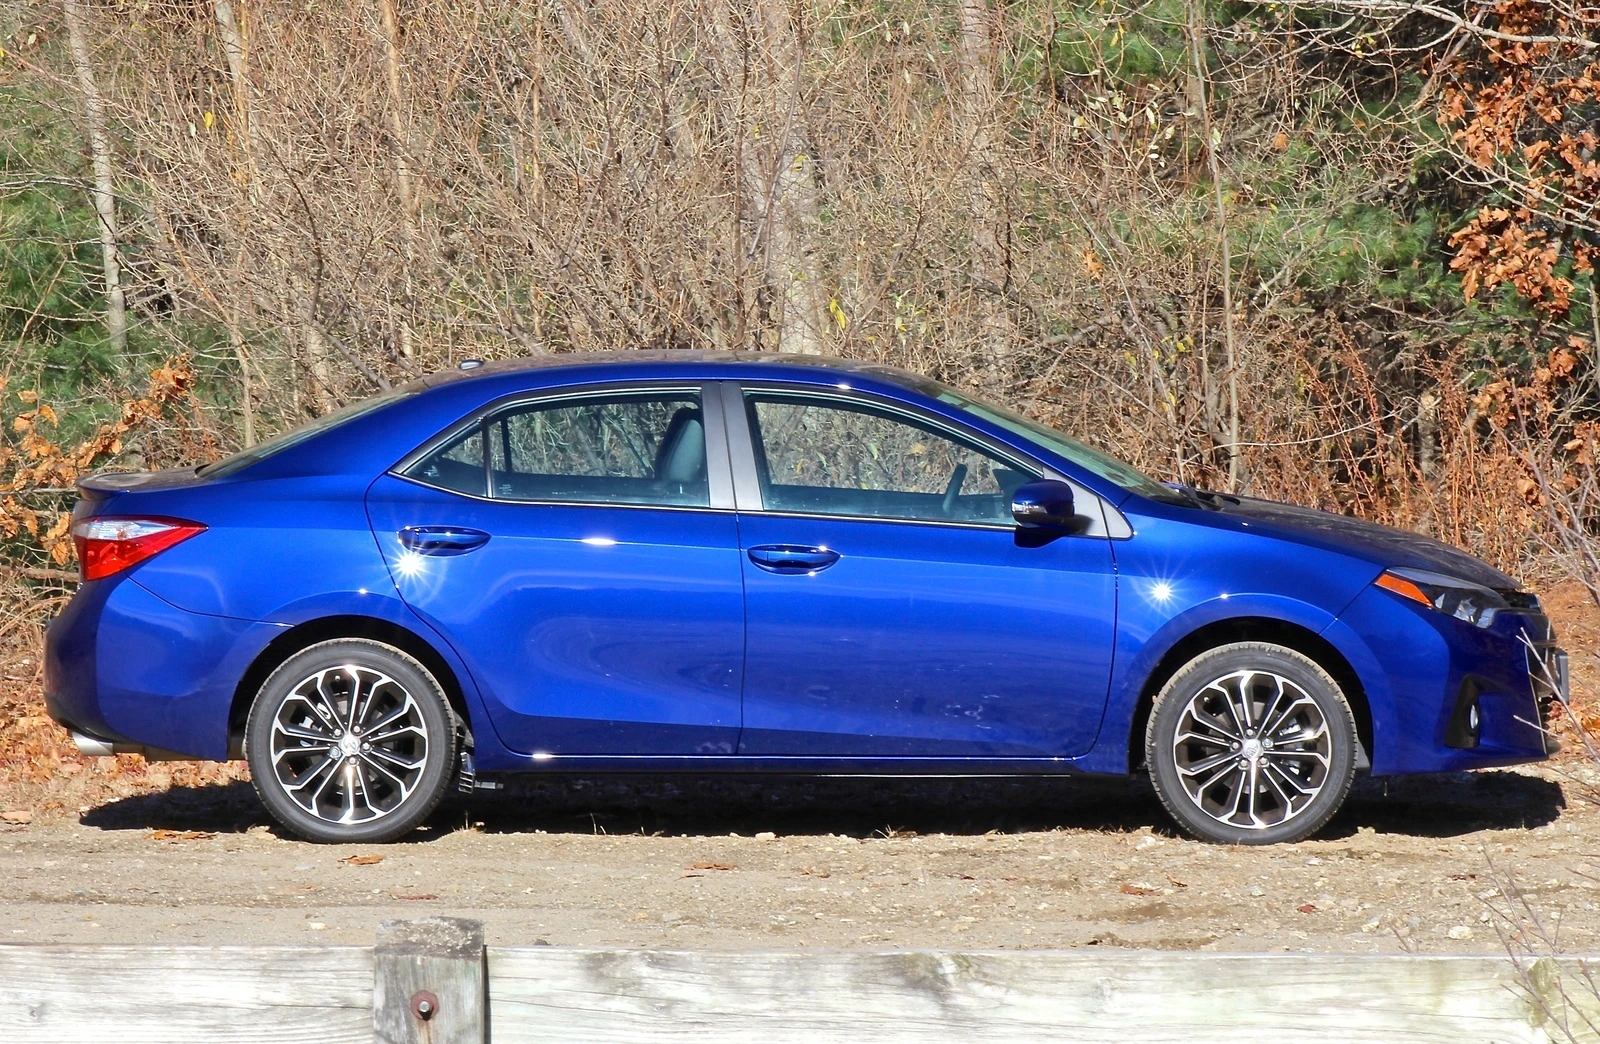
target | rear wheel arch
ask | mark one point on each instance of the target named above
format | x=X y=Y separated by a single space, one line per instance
x=328 y=628
x=1251 y=629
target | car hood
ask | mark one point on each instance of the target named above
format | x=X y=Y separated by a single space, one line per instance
x=1381 y=545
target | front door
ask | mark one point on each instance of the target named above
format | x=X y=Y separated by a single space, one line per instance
x=891 y=608
x=582 y=559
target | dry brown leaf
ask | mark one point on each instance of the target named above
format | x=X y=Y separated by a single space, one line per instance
x=361 y=860
x=1307 y=908
x=1130 y=889
x=180 y=835
x=710 y=866
x=422 y=896
x=16 y=815
x=1177 y=883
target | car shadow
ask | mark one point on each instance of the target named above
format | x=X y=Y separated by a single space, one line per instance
x=1426 y=806
x=1449 y=804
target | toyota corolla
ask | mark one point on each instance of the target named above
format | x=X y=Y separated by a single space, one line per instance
x=716 y=562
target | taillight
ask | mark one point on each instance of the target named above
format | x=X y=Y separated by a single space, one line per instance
x=110 y=545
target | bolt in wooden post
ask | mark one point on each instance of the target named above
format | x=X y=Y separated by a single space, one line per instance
x=430 y=982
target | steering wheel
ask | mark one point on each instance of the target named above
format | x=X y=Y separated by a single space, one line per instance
x=952 y=489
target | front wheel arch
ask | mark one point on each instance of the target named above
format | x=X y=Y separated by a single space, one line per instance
x=1251 y=629
x=329 y=628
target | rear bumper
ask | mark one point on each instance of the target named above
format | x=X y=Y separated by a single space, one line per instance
x=127 y=670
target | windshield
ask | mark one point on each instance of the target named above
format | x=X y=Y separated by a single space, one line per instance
x=278 y=443
x=1107 y=467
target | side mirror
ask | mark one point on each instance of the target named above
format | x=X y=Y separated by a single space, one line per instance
x=1046 y=504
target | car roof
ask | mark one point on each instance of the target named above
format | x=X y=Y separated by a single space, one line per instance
x=658 y=359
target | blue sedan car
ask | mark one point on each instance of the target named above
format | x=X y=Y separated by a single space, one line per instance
x=699 y=562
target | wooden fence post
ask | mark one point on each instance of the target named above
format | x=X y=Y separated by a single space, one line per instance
x=430 y=983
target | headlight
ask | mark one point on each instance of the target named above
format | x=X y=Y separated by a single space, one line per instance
x=1450 y=595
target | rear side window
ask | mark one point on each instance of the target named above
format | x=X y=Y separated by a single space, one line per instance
x=458 y=466
x=632 y=448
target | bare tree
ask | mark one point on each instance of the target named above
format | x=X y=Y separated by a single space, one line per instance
x=1200 y=94
x=103 y=191
x=985 y=197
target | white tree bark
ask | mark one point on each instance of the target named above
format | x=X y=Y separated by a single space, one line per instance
x=989 y=262
x=1201 y=94
x=780 y=199
x=103 y=192
x=233 y=50
x=405 y=181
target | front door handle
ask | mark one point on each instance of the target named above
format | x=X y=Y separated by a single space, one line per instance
x=792 y=558
x=442 y=540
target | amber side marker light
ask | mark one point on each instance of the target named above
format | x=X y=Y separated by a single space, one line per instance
x=1404 y=588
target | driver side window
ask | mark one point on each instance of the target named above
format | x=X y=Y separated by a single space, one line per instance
x=830 y=457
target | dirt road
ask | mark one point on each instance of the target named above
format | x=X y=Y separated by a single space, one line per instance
x=853 y=863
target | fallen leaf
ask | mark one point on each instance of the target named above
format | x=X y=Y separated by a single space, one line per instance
x=1129 y=889
x=17 y=815
x=421 y=896
x=1177 y=883
x=966 y=877
x=811 y=871
x=1463 y=877
x=361 y=860
x=1307 y=908
x=180 y=835
x=710 y=866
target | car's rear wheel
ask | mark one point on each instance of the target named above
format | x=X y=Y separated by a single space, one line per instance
x=1251 y=744
x=351 y=741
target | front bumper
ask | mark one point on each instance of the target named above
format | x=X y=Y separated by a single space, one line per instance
x=1447 y=695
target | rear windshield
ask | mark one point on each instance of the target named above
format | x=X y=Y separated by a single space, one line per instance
x=294 y=436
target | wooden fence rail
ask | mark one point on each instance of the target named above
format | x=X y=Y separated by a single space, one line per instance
x=434 y=981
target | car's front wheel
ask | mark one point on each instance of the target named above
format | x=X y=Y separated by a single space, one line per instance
x=351 y=741
x=1251 y=744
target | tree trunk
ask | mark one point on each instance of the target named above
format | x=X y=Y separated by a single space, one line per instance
x=989 y=264
x=405 y=182
x=233 y=50
x=789 y=204
x=778 y=181
x=104 y=191
x=1200 y=94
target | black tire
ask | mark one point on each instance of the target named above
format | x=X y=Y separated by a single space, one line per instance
x=315 y=773
x=1224 y=778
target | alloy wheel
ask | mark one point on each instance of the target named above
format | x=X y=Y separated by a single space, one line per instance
x=348 y=744
x=1252 y=749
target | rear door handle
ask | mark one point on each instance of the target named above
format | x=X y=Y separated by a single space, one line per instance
x=792 y=558
x=442 y=540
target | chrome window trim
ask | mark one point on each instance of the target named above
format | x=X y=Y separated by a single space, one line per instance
x=719 y=474
x=480 y=498
x=1105 y=522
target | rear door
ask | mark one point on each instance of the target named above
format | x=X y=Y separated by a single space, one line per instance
x=580 y=553
x=892 y=607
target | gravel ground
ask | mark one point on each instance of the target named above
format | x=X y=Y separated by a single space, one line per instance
x=1419 y=864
